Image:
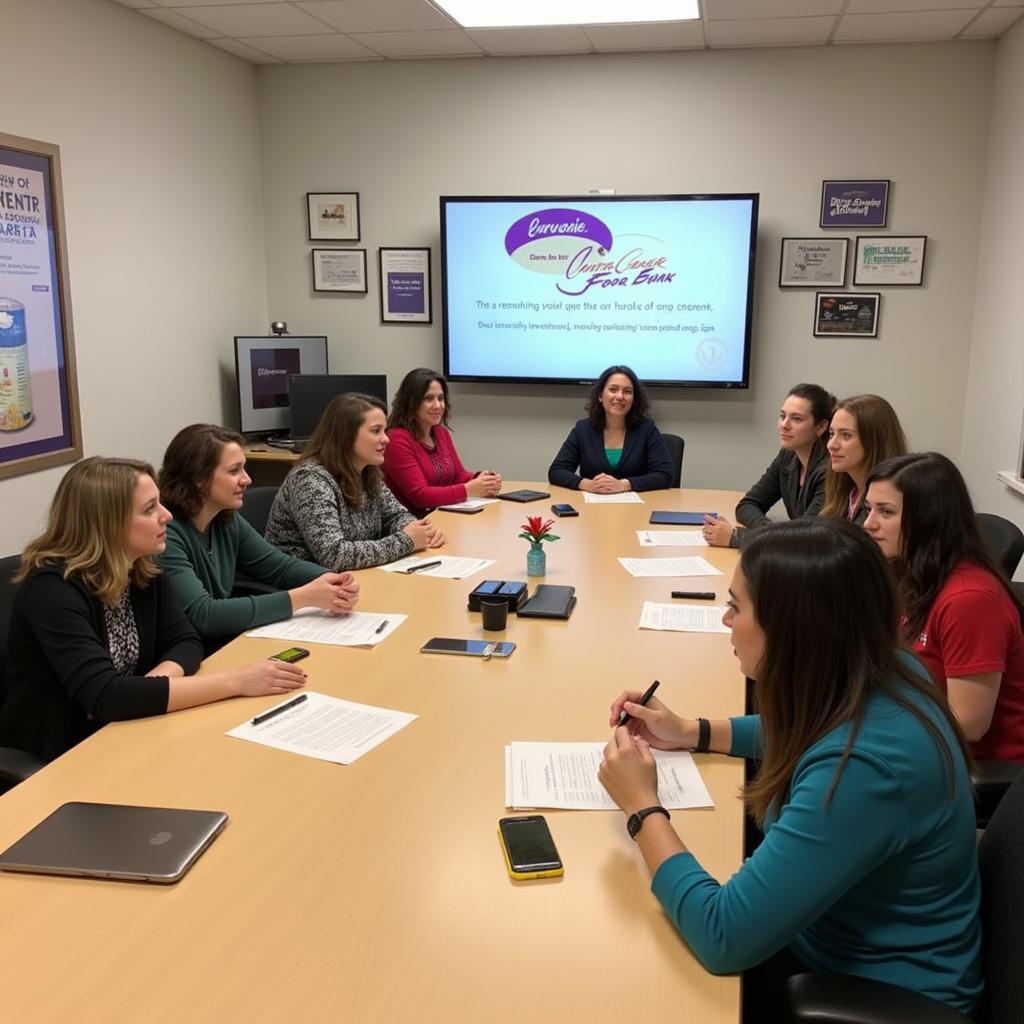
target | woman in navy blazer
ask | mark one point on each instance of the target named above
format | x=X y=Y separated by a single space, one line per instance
x=617 y=447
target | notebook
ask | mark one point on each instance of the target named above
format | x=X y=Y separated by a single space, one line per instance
x=140 y=844
x=523 y=495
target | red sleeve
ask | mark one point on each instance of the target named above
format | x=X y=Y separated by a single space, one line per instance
x=406 y=467
x=973 y=629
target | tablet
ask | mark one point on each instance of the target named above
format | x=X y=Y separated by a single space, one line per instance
x=679 y=518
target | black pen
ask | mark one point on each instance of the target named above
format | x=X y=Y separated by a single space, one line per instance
x=422 y=565
x=276 y=711
x=380 y=628
x=696 y=595
x=625 y=716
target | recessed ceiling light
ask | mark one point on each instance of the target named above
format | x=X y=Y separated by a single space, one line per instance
x=518 y=13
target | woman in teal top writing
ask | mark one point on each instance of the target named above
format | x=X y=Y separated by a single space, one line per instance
x=868 y=865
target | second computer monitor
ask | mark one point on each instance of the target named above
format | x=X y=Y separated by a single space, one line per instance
x=311 y=393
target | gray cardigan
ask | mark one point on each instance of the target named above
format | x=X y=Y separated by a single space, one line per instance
x=310 y=519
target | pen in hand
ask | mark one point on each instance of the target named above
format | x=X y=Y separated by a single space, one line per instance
x=278 y=710
x=625 y=716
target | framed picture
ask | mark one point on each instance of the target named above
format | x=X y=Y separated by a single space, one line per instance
x=339 y=270
x=846 y=314
x=333 y=216
x=862 y=204
x=806 y=262
x=39 y=414
x=404 y=286
x=889 y=259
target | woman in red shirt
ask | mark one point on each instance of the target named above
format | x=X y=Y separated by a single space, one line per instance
x=421 y=466
x=961 y=615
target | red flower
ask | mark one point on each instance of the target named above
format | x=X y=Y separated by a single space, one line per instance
x=535 y=529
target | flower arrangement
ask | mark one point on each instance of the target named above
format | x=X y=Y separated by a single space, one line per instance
x=535 y=530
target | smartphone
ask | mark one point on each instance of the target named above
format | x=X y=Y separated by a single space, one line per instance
x=474 y=648
x=528 y=847
x=488 y=587
x=560 y=508
x=292 y=655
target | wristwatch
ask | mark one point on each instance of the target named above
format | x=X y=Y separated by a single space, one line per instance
x=635 y=821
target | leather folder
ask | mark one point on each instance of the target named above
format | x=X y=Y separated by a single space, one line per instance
x=549 y=602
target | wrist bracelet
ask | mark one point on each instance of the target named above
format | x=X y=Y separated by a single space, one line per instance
x=703 y=736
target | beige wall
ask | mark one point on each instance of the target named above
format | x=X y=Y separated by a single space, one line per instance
x=773 y=121
x=995 y=388
x=160 y=156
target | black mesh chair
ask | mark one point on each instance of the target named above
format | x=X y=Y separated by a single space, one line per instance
x=675 y=445
x=1004 y=539
x=256 y=507
x=843 y=999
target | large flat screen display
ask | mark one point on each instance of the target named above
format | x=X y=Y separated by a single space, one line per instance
x=556 y=288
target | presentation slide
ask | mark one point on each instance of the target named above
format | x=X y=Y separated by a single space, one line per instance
x=560 y=289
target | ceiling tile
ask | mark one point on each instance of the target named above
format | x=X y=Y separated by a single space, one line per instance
x=733 y=10
x=182 y=24
x=906 y=6
x=310 y=48
x=450 y=42
x=242 y=20
x=521 y=41
x=667 y=35
x=991 y=23
x=892 y=28
x=373 y=16
x=249 y=53
x=770 y=32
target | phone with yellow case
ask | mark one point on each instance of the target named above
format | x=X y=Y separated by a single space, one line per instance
x=528 y=847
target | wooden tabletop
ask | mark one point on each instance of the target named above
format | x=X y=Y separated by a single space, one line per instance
x=377 y=891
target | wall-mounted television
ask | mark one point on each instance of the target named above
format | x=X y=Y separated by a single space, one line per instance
x=263 y=365
x=553 y=289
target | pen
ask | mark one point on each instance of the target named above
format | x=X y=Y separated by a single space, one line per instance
x=624 y=716
x=696 y=595
x=276 y=711
x=423 y=565
x=381 y=627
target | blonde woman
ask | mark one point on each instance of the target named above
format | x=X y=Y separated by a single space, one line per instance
x=97 y=634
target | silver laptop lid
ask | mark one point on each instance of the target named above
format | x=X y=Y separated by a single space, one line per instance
x=145 y=844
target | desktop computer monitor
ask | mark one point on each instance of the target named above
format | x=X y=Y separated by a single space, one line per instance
x=263 y=365
x=311 y=393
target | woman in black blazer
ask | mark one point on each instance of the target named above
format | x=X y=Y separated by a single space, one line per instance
x=617 y=447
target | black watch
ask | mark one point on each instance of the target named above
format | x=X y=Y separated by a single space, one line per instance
x=635 y=821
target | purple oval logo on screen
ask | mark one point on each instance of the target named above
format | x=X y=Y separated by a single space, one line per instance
x=546 y=240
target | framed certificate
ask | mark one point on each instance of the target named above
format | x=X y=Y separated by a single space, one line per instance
x=339 y=270
x=889 y=259
x=806 y=262
x=846 y=204
x=405 y=286
x=846 y=315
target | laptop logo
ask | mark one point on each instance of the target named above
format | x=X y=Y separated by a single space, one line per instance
x=160 y=838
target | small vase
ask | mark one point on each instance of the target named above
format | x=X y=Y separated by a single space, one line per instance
x=536 y=560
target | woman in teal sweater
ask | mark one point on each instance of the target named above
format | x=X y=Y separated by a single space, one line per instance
x=868 y=864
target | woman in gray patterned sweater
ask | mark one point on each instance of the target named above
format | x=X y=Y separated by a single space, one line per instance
x=334 y=508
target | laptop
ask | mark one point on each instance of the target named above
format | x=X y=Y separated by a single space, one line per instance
x=138 y=844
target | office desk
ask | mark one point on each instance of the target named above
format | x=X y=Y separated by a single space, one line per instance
x=268 y=466
x=377 y=892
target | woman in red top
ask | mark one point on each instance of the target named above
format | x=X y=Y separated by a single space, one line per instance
x=961 y=615
x=421 y=466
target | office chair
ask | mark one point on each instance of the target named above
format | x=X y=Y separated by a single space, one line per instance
x=15 y=765
x=844 y=999
x=675 y=446
x=256 y=507
x=1004 y=539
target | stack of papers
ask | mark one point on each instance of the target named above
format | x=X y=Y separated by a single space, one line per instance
x=622 y=498
x=669 y=567
x=451 y=568
x=326 y=728
x=564 y=775
x=465 y=506
x=671 y=538
x=357 y=629
x=684 y=618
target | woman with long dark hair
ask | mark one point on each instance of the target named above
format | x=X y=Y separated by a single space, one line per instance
x=796 y=475
x=961 y=615
x=617 y=447
x=868 y=864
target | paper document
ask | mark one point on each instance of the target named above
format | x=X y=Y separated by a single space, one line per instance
x=357 y=629
x=695 y=566
x=671 y=538
x=684 y=618
x=467 y=504
x=564 y=775
x=451 y=568
x=622 y=498
x=326 y=728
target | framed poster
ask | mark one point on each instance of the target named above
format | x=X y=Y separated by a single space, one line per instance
x=39 y=414
x=339 y=270
x=404 y=286
x=806 y=262
x=846 y=314
x=333 y=216
x=888 y=259
x=846 y=204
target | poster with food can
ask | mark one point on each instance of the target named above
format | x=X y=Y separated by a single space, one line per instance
x=846 y=314
x=39 y=423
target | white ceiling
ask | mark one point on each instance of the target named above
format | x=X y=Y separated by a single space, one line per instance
x=300 y=31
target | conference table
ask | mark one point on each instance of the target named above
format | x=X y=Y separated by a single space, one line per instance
x=377 y=891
